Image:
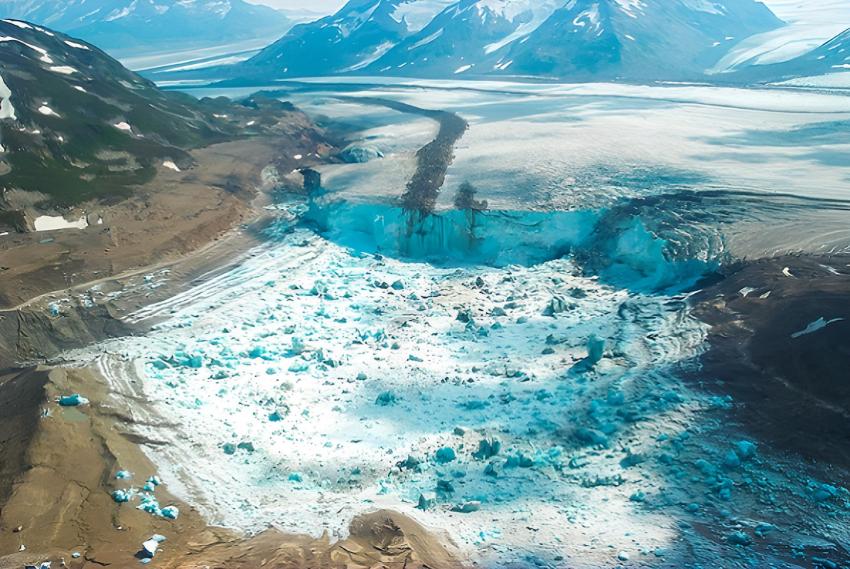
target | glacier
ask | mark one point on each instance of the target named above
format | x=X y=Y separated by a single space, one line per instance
x=517 y=377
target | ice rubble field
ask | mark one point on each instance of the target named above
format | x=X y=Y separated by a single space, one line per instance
x=313 y=382
x=316 y=381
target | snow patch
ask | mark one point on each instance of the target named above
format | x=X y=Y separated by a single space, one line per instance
x=417 y=14
x=7 y=111
x=76 y=45
x=40 y=50
x=22 y=25
x=815 y=326
x=63 y=69
x=55 y=223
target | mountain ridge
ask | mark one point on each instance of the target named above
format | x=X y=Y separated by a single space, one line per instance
x=610 y=39
x=76 y=125
x=122 y=25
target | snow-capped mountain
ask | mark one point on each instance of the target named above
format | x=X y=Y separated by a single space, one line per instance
x=360 y=33
x=121 y=25
x=633 y=39
x=831 y=57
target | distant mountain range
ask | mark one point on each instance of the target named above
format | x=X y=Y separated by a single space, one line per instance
x=120 y=26
x=571 y=39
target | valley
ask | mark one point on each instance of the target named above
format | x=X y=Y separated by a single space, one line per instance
x=511 y=376
x=426 y=284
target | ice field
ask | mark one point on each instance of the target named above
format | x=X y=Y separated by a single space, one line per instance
x=520 y=379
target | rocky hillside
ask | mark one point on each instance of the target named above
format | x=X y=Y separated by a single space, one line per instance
x=122 y=25
x=76 y=125
x=575 y=39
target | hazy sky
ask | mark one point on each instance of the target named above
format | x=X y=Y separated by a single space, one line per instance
x=311 y=5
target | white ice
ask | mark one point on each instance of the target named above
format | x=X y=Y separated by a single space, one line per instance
x=54 y=223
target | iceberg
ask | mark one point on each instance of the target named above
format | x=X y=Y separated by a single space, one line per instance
x=74 y=400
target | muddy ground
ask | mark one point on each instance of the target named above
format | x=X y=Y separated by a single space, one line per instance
x=790 y=386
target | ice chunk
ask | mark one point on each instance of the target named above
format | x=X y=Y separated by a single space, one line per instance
x=595 y=352
x=123 y=475
x=170 y=512
x=427 y=501
x=74 y=400
x=297 y=346
x=746 y=449
x=121 y=496
x=558 y=305
x=150 y=547
x=386 y=399
x=149 y=503
x=467 y=507
x=360 y=154
x=739 y=538
x=445 y=455
x=487 y=448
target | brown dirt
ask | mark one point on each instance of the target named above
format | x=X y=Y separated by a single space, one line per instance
x=62 y=466
x=176 y=214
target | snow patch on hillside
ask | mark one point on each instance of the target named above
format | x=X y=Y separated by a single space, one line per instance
x=418 y=13
x=533 y=13
x=40 y=50
x=7 y=111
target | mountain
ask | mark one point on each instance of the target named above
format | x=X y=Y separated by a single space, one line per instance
x=76 y=125
x=358 y=34
x=122 y=25
x=810 y=24
x=831 y=57
x=631 y=39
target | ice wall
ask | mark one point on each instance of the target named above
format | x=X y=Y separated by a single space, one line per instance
x=622 y=248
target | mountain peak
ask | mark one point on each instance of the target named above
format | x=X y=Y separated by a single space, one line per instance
x=549 y=38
